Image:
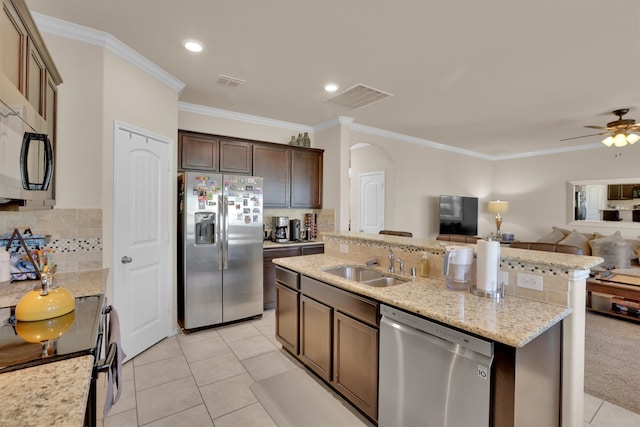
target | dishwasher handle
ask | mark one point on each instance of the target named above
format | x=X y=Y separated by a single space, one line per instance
x=451 y=347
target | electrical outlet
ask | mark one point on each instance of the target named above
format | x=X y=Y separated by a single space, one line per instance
x=529 y=281
x=344 y=249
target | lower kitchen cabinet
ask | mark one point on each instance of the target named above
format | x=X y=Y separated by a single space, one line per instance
x=338 y=336
x=355 y=362
x=287 y=301
x=316 y=336
x=269 y=268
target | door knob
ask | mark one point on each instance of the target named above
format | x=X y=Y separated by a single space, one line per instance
x=126 y=259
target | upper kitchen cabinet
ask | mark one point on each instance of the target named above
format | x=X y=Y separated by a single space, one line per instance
x=620 y=191
x=236 y=157
x=26 y=62
x=273 y=163
x=198 y=151
x=306 y=178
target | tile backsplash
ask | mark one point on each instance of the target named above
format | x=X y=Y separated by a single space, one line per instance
x=75 y=235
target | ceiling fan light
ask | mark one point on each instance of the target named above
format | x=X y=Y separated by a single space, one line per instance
x=608 y=141
x=620 y=140
x=632 y=138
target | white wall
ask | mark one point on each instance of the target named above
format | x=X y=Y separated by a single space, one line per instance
x=80 y=108
x=536 y=188
x=416 y=176
x=98 y=88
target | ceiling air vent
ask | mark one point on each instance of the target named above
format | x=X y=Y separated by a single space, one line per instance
x=358 y=96
x=229 y=81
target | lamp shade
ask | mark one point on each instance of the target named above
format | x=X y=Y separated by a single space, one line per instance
x=498 y=206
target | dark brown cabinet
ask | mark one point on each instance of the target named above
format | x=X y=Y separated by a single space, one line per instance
x=292 y=175
x=273 y=163
x=338 y=339
x=620 y=191
x=198 y=152
x=316 y=321
x=287 y=318
x=306 y=178
x=355 y=362
x=236 y=157
x=269 y=268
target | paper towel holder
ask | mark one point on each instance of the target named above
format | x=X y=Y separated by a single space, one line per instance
x=497 y=294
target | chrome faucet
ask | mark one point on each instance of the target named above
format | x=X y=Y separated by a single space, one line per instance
x=391 y=261
x=401 y=265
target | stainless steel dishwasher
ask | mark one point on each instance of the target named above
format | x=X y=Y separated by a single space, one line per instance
x=431 y=375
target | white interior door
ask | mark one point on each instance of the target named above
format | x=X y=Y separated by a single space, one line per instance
x=142 y=242
x=371 y=206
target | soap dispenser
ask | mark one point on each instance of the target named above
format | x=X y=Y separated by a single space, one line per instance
x=424 y=265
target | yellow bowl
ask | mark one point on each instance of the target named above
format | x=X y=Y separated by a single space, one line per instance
x=34 y=306
x=43 y=330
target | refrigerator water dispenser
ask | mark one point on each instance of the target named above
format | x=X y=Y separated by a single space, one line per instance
x=205 y=223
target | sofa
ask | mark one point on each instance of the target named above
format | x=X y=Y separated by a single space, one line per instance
x=616 y=251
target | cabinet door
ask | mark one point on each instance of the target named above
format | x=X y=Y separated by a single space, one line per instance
x=613 y=192
x=315 y=336
x=269 y=273
x=13 y=42
x=626 y=192
x=355 y=363
x=306 y=178
x=236 y=157
x=198 y=152
x=35 y=78
x=273 y=164
x=287 y=301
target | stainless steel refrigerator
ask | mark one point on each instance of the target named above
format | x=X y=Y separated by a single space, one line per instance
x=220 y=241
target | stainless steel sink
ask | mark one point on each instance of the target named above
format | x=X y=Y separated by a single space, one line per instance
x=365 y=276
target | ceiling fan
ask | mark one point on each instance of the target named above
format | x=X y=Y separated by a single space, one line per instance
x=621 y=131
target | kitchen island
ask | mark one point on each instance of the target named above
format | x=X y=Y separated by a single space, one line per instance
x=517 y=324
x=53 y=393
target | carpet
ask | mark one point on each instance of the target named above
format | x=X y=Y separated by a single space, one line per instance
x=612 y=360
x=294 y=399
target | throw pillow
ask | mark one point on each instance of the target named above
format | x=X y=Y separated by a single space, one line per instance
x=577 y=239
x=615 y=251
x=554 y=237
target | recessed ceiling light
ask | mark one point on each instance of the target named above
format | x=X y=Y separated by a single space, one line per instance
x=331 y=87
x=193 y=45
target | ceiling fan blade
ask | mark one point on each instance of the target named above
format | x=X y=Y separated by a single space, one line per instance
x=597 y=127
x=584 y=136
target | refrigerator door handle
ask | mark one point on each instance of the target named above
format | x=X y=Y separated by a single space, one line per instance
x=221 y=221
x=225 y=251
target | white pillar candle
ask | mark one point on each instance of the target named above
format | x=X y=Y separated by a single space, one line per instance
x=488 y=265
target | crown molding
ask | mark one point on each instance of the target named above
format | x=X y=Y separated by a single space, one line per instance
x=48 y=24
x=242 y=117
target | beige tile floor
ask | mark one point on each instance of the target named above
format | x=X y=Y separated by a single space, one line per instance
x=203 y=379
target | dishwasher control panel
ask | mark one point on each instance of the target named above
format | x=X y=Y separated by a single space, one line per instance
x=476 y=344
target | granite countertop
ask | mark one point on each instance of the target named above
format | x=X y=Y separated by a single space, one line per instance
x=53 y=394
x=79 y=283
x=268 y=244
x=511 y=320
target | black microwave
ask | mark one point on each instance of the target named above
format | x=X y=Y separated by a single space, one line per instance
x=635 y=192
x=26 y=162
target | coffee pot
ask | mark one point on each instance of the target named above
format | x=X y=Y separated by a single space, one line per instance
x=458 y=267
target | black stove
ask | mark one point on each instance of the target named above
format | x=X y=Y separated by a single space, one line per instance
x=81 y=330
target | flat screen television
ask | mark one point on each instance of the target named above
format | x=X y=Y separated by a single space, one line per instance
x=459 y=215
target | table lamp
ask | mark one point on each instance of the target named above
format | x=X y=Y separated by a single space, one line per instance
x=497 y=207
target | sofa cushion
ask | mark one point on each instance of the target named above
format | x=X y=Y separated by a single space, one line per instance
x=577 y=239
x=615 y=251
x=554 y=237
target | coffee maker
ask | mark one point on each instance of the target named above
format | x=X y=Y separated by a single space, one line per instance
x=294 y=230
x=280 y=226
